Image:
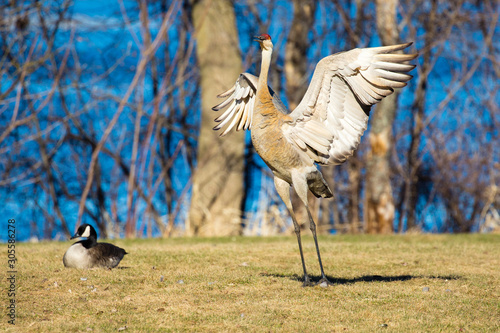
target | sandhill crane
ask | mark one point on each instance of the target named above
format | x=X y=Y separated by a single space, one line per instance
x=325 y=127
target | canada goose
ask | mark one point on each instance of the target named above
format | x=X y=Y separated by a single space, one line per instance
x=88 y=253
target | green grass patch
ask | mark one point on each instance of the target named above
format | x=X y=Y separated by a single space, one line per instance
x=417 y=283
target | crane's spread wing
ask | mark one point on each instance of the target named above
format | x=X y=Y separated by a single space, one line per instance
x=333 y=114
x=241 y=100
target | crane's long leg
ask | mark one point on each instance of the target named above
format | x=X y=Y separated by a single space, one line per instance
x=300 y=186
x=313 y=230
x=283 y=189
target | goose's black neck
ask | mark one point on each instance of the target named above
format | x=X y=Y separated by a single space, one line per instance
x=89 y=242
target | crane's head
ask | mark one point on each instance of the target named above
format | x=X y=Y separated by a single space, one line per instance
x=264 y=41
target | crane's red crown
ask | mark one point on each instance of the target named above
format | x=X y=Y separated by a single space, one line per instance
x=265 y=36
x=262 y=38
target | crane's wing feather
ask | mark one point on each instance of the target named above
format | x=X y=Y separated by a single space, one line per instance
x=333 y=114
x=241 y=99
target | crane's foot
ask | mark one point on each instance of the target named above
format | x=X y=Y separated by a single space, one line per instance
x=308 y=282
x=324 y=282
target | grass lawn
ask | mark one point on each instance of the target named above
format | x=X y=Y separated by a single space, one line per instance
x=410 y=283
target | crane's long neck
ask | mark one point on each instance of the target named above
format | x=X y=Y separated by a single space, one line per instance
x=264 y=70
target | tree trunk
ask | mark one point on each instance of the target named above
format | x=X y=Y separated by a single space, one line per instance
x=296 y=80
x=296 y=51
x=379 y=200
x=216 y=202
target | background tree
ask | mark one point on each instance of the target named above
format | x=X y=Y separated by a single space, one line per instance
x=216 y=203
x=379 y=200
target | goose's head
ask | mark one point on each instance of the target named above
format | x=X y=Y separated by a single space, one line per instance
x=85 y=230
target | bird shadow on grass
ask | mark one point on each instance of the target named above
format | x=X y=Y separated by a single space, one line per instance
x=365 y=278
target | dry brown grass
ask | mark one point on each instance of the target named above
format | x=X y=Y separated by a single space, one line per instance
x=253 y=284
